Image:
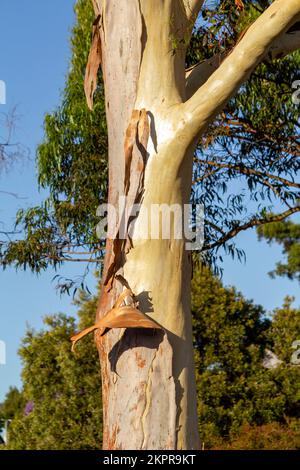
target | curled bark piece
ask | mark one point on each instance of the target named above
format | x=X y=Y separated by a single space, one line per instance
x=130 y=138
x=94 y=62
x=120 y=316
x=127 y=317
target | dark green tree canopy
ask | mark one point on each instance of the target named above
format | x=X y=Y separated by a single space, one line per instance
x=231 y=336
x=61 y=398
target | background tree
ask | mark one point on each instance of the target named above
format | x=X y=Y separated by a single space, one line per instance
x=190 y=120
x=285 y=330
x=238 y=399
x=61 y=396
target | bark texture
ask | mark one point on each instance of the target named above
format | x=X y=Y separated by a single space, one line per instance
x=149 y=391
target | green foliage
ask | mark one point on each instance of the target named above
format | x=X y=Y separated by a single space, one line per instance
x=61 y=390
x=234 y=388
x=72 y=159
x=72 y=165
x=287 y=234
x=285 y=329
x=249 y=158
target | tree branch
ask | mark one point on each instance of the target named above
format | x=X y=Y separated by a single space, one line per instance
x=236 y=68
x=252 y=223
x=196 y=76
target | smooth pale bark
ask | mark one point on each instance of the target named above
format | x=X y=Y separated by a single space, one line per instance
x=149 y=392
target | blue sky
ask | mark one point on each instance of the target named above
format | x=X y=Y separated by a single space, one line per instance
x=34 y=38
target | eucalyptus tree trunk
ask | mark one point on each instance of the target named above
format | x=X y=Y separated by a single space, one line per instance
x=149 y=390
x=148 y=377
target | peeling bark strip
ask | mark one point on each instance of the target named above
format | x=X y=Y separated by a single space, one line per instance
x=137 y=134
x=94 y=62
x=137 y=174
x=120 y=316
